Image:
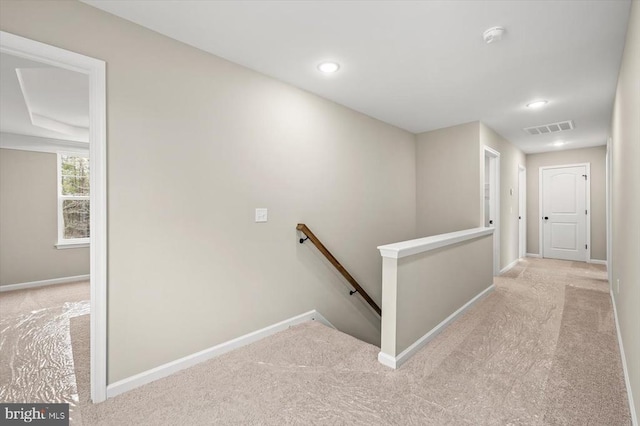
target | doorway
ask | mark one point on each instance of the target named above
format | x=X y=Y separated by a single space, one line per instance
x=564 y=212
x=95 y=70
x=491 y=200
x=522 y=211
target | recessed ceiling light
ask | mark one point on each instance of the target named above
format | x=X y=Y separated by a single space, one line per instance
x=329 y=67
x=537 y=104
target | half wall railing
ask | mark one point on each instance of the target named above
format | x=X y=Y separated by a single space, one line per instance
x=427 y=283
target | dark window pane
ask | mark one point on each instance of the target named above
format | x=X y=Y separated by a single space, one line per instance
x=76 y=218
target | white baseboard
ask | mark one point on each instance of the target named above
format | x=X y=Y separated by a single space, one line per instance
x=509 y=266
x=396 y=362
x=172 y=367
x=632 y=408
x=387 y=360
x=43 y=283
x=595 y=261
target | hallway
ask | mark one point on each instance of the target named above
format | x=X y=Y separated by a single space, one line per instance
x=540 y=350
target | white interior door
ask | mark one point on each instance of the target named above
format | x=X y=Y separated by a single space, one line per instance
x=522 y=211
x=564 y=213
x=491 y=205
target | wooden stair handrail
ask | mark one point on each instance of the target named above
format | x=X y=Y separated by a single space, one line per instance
x=316 y=242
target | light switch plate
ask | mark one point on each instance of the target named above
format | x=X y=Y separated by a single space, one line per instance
x=261 y=215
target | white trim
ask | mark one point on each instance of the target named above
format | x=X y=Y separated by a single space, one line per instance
x=509 y=266
x=587 y=205
x=522 y=202
x=396 y=362
x=96 y=70
x=540 y=214
x=588 y=208
x=495 y=190
x=491 y=151
x=533 y=255
x=172 y=367
x=66 y=245
x=627 y=380
x=608 y=171
x=39 y=144
x=597 y=262
x=387 y=360
x=43 y=283
x=420 y=245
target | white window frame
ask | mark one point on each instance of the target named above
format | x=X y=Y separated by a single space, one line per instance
x=68 y=243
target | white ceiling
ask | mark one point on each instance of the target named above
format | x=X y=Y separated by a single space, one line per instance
x=422 y=65
x=48 y=102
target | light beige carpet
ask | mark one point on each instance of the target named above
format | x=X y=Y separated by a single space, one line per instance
x=18 y=302
x=79 y=329
x=540 y=350
x=36 y=361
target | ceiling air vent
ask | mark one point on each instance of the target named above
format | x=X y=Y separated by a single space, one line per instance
x=550 y=128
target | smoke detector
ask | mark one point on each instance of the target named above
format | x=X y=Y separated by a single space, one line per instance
x=493 y=34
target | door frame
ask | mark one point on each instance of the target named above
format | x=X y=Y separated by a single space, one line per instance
x=95 y=69
x=587 y=205
x=608 y=164
x=494 y=196
x=522 y=211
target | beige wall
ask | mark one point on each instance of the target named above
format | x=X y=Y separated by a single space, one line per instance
x=29 y=221
x=195 y=144
x=449 y=183
x=594 y=156
x=625 y=192
x=447 y=172
x=510 y=158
